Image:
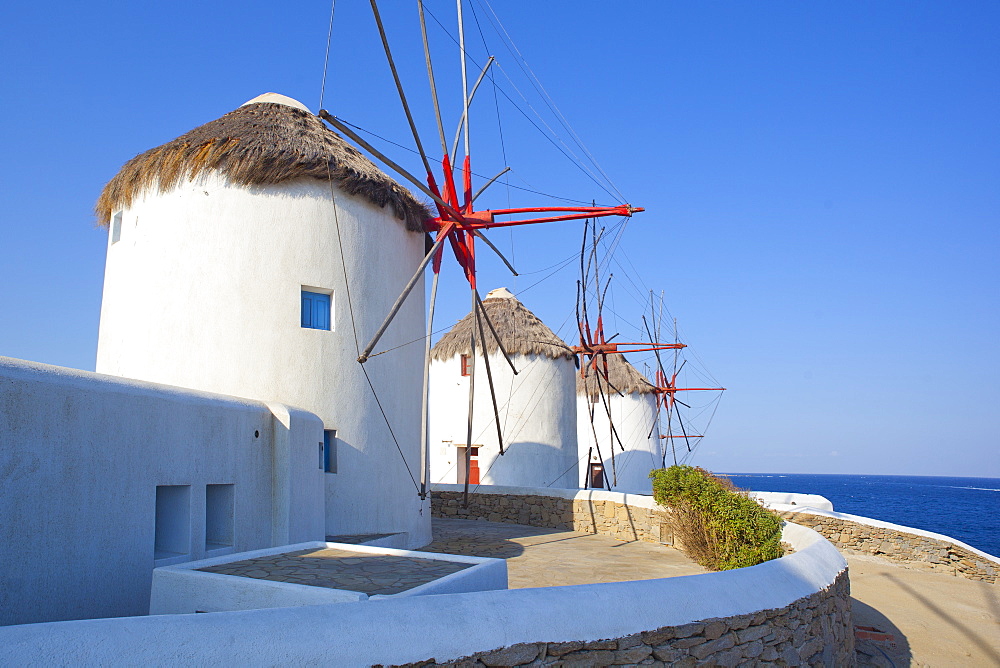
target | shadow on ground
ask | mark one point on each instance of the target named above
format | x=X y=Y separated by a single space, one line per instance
x=878 y=642
x=489 y=539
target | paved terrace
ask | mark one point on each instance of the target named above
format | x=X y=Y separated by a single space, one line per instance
x=536 y=557
x=540 y=557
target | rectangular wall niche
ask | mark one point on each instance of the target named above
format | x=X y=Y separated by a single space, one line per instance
x=218 y=516
x=173 y=521
x=330 y=450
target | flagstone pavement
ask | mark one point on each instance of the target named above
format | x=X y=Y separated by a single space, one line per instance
x=536 y=557
x=342 y=569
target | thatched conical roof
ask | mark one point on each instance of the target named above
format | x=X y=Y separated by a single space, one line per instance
x=520 y=331
x=269 y=140
x=621 y=376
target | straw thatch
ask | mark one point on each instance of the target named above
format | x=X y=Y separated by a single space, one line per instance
x=622 y=377
x=520 y=331
x=262 y=143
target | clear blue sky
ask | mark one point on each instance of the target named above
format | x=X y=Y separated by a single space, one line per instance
x=822 y=185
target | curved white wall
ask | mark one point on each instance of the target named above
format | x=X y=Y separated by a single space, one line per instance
x=536 y=409
x=203 y=291
x=445 y=627
x=633 y=416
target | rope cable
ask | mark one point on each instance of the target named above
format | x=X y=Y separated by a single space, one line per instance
x=357 y=346
x=482 y=176
x=537 y=84
x=326 y=57
x=570 y=155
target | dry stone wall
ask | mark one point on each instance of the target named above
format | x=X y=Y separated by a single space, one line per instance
x=816 y=630
x=607 y=518
x=907 y=549
x=813 y=631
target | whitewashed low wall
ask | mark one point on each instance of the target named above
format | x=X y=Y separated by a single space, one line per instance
x=773 y=499
x=183 y=588
x=447 y=627
x=82 y=456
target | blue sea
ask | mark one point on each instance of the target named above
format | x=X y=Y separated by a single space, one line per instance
x=967 y=509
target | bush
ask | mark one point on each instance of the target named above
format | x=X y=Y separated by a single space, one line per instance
x=719 y=526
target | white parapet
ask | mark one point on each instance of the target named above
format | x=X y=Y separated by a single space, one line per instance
x=774 y=499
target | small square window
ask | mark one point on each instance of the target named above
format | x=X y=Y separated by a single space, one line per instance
x=316 y=310
x=465 y=365
x=116 y=228
x=330 y=450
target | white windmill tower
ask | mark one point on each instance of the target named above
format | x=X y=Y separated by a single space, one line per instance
x=248 y=257
x=523 y=426
x=615 y=408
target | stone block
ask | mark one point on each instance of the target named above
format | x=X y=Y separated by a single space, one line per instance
x=588 y=659
x=632 y=655
x=810 y=647
x=687 y=630
x=667 y=654
x=601 y=644
x=560 y=648
x=711 y=647
x=629 y=642
x=515 y=655
x=686 y=643
x=727 y=659
x=715 y=630
x=752 y=633
x=790 y=657
x=658 y=637
x=740 y=621
x=753 y=650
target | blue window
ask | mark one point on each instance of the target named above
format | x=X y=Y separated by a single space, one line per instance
x=330 y=450
x=315 y=310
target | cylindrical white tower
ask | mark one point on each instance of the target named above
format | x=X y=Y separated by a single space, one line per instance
x=625 y=401
x=252 y=256
x=536 y=405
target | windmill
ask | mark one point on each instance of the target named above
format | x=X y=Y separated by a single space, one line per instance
x=457 y=221
x=666 y=389
x=606 y=378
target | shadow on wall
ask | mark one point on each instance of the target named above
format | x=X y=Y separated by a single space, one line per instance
x=877 y=641
x=521 y=457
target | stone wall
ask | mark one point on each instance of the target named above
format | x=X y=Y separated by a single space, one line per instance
x=905 y=548
x=587 y=515
x=815 y=630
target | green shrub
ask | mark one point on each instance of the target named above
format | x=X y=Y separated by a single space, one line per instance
x=720 y=527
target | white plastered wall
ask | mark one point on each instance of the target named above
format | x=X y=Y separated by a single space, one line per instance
x=203 y=291
x=633 y=415
x=81 y=456
x=537 y=412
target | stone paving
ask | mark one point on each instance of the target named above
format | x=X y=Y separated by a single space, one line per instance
x=341 y=569
x=541 y=557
